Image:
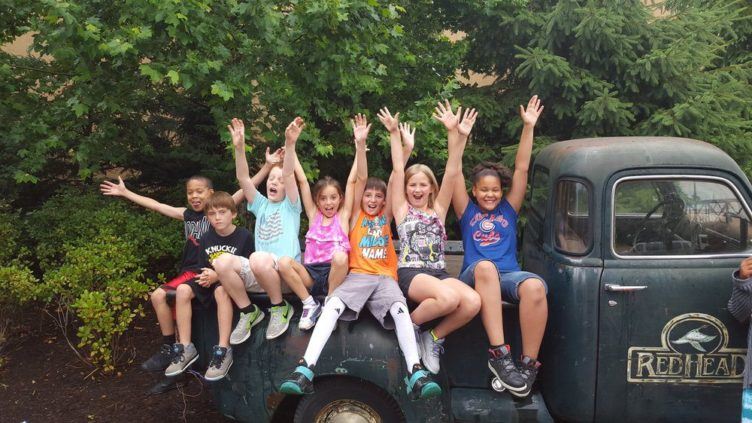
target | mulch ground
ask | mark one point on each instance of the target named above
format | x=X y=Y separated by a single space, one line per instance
x=42 y=380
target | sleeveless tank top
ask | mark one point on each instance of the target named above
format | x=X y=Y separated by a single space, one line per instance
x=422 y=240
x=323 y=241
x=372 y=248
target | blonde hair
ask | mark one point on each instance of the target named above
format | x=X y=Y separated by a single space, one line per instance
x=421 y=168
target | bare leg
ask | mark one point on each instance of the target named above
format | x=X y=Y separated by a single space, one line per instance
x=488 y=287
x=340 y=266
x=295 y=276
x=227 y=267
x=533 y=315
x=224 y=316
x=184 y=312
x=435 y=298
x=468 y=308
x=262 y=265
x=164 y=314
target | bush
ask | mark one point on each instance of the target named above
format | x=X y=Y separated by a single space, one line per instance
x=94 y=252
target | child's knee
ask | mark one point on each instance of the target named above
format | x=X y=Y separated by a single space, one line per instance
x=184 y=293
x=485 y=271
x=471 y=302
x=261 y=261
x=532 y=290
x=159 y=296
x=220 y=293
x=448 y=300
x=223 y=263
x=286 y=265
x=340 y=259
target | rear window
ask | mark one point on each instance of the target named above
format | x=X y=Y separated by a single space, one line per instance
x=676 y=216
x=572 y=222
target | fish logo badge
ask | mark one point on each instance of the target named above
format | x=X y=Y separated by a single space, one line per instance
x=695 y=338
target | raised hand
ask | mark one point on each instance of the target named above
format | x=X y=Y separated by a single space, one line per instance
x=109 y=188
x=408 y=135
x=390 y=122
x=443 y=113
x=468 y=120
x=361 y=127
x=294 y=129
x=276 y=157
x=237 y=132
x=530 y=114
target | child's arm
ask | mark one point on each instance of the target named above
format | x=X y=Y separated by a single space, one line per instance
x=119 y=190
x=450 y=120
x=237 y=132
x=740 y=303
x=263 y=172
x=288 y=167
x=356 y=182
x=305 y=191
x=459 y=195
x=529 y=116
x=397 y=187
x=408 y=144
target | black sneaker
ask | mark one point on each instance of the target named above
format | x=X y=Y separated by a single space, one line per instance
x=159 y=361
x=502 y=366
x=167 y=384
x=420 y=385
x=300 y=381
x=529 y=370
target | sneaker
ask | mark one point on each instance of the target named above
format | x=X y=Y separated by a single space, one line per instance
x=220 y=363
x=279 y=320
x=420 y=385
x=159 y=361
x=310 y=315
x=430 y=351
x=299 y=382
x=167 y=384
x=183 y=356
x=242 y=330
x=529 y=370
x=503 y=367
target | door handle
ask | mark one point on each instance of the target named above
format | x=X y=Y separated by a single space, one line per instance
x=624 y=288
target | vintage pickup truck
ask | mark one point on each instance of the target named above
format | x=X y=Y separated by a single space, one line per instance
x=637 y=239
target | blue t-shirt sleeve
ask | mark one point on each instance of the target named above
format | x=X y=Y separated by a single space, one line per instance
x=295 y=207
x=259 y=201
x=507 y=208
x=470 y=211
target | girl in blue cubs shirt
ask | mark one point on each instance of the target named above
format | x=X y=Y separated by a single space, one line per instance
x=489 y=238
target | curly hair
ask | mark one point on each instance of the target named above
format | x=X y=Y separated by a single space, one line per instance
x=492 y=169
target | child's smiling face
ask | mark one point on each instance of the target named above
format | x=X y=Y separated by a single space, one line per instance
x=197 y=192
x=373 y=201
x=418 y=189
x=328 y=201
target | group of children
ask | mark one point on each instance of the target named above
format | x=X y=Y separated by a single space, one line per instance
x=350 y=257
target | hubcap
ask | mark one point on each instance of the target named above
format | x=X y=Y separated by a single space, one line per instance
x=347 y=411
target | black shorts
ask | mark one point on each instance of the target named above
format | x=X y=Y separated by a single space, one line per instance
x=204 y=296
x=320 y=274
x=405 y=276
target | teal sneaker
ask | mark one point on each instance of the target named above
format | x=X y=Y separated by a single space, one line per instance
x=300 y=381
x=279 y=320
x=420 y=385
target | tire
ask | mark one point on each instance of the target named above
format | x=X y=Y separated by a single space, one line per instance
x=339 y=398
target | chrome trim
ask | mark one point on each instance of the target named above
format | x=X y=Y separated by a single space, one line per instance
x=675 y=176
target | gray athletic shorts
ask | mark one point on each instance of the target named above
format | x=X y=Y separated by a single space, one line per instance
x=378 y=292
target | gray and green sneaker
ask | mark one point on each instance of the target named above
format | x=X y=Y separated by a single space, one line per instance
x=182 y=358
x=279 y=320
x=220 y=363
x=242 y=330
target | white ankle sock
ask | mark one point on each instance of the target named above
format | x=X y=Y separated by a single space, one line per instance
x=309 y=301
x=405 y=334
x=323 y=329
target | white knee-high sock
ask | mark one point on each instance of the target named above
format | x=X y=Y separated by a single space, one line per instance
x=323 y=329
x=405 y=334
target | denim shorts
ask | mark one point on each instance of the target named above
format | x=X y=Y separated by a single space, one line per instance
x=509 y=281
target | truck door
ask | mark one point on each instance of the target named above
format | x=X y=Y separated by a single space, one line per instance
x=668 y=349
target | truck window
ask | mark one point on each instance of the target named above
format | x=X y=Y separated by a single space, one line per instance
x=539 y=191
x=678 y=216
x=572 y=220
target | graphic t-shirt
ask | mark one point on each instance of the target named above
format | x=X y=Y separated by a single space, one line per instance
x=277 y=226
x=422 y=240
x=213 y=245
x=490 y=236
x=371 y=247
x=195 y=225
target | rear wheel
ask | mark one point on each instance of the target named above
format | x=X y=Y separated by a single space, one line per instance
x=348 y=400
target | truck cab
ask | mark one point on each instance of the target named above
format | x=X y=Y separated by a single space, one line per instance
x=636 y=238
